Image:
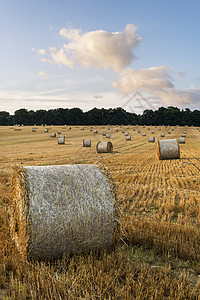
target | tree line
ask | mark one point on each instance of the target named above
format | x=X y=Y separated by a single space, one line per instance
x=113 y=116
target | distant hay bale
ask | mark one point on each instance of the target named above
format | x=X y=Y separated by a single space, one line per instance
x=59 y=131
x=108 y=128
x=184 y=135
x=69 y=128
x=167 y=149
x=53 y=134
x=62 y=209
x=151 y=139
x=107 y=135
x=159 y=129
x=104 y=133
x=86 y=143
x=126 y=133
x=95 y=131
x=46 y=130
x=33 y=129
x=139 y=131
x=181 y=140
x=123 y=131
x=116 y=130
x=133 y=129
x=144 y=134
x=82 y=128
x=104 y=147
x=128 y=137
x=162 y=134
x=61 y=140
x=152 y=131
x=169 y=132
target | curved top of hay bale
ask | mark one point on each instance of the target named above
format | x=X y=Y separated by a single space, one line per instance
x=58 y=209
x=167 y=149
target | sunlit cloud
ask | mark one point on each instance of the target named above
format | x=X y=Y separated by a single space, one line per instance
x=42 y=74
x=99 y=49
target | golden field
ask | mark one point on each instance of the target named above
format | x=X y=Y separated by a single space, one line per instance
x=158 y=256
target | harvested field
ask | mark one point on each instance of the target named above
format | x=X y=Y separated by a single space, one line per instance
x=159 y=253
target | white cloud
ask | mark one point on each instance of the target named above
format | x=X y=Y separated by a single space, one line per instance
x=42 y=74
x=99 y=49
x=42 y=52
x=156 y=81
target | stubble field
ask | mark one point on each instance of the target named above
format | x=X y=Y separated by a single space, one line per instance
x=158 y=256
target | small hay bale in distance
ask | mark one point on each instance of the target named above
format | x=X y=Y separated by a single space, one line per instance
x=62 y=209
x=128 y=138
x=82 y=128
x=144 y=134
x=184 y=135
x=69 y=128
x=104 y=147
x=126 y=133
x=151 y=139
x=53 y=134
x=181 y=140
x=95 y=131
x=116 y=130
x=167 y=149
x=152 y=131
x=86 y=143
x=107 y=135
x=46 y=130
x=59 y=131
x=33 y=129
x=104 y=133
x=61 y=140
x=139 y=131
x=162 y=134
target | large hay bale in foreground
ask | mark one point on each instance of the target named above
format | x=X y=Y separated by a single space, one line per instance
x=167 y=149
x=104 y=147
x=62 y=209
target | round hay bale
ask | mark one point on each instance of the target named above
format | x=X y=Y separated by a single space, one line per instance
x=162 y=134
x=86 y=143
x=128 y=138
x=139 y=131
x=33 y=129
x=95 y=131
x=61 y=140
x=144 y=134
x=167 y=149
x=184 y=135
x=133 y=129
x=104 y=133
x=46 y=130
x=53 y=134
x=169 y=132
x=104 y=147
x=181 y=140
x=62 y=209
x=69 y=128
x=107 y=135
x=116 y=130
x=59 y=131
x=126 y=133
x=152 y=131
x=151 y=139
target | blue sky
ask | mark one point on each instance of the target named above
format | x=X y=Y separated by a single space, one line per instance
x=99 y=54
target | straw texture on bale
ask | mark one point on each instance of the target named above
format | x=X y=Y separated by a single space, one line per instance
x=62 y=209
x=86 y=143
x=151 y=139
x=181 y=140
x=104 y=147
x=167 y=149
